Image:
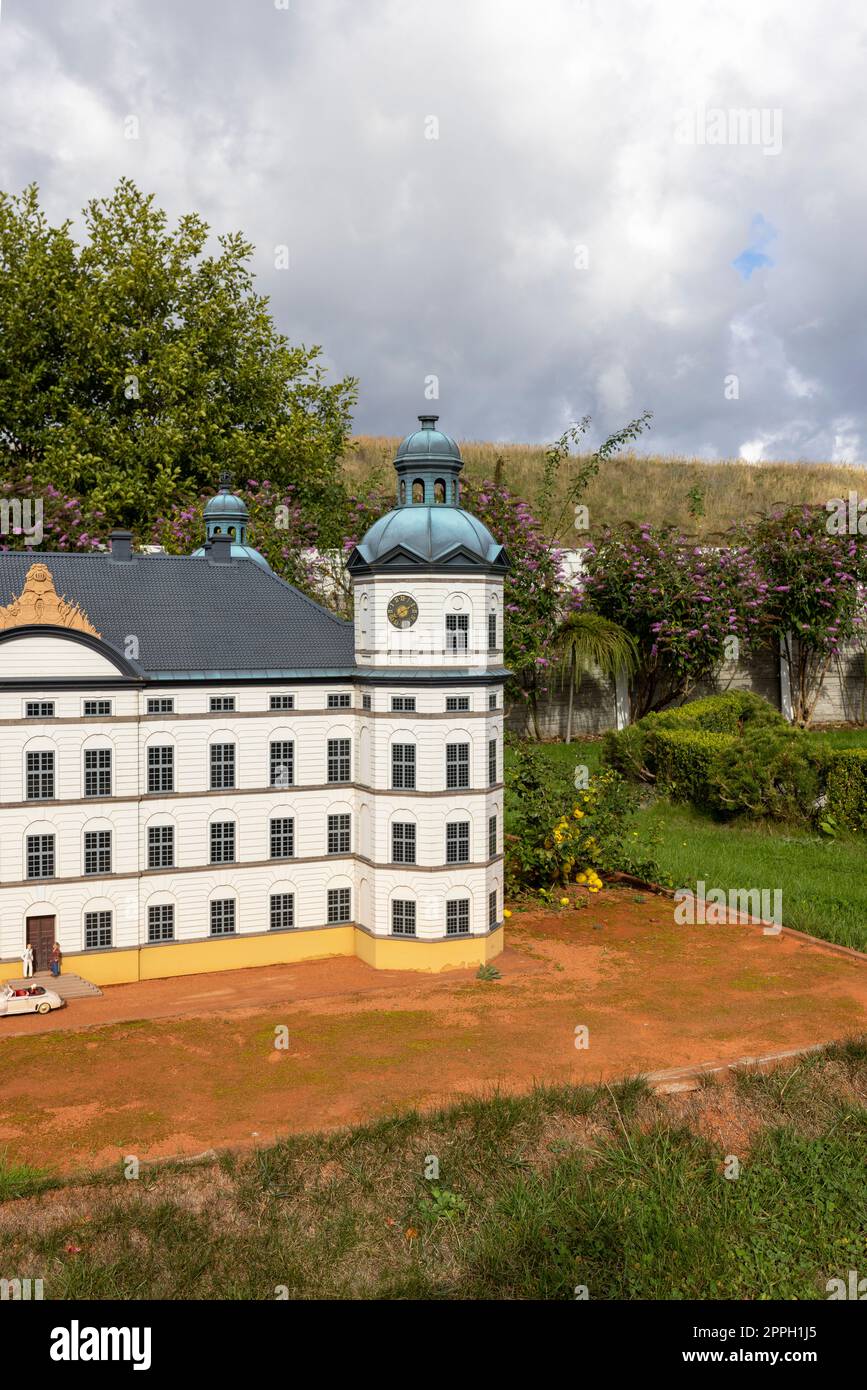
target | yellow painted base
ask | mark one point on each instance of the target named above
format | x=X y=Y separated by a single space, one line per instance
x=455 y=953
x=172 y=958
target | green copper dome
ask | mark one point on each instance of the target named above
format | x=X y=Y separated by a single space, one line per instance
x=227 y=514
x=428 y=527
x=428 y=443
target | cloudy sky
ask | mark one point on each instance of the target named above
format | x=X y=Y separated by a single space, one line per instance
x=538 y=210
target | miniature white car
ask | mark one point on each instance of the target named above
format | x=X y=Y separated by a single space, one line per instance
x=30 y=999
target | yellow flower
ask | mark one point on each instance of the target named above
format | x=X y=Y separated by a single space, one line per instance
x=564 y=902
x=582 y=878
x=594 y=888
x=579 y=815
x=506 y=912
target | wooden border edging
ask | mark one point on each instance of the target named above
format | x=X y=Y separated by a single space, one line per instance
x=697 y=1069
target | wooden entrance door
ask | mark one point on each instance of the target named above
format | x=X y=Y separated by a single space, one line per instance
x=40 y=935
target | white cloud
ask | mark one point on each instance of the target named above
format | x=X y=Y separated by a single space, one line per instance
x=457 y=255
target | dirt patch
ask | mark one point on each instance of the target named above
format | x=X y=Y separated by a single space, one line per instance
x=651 y=994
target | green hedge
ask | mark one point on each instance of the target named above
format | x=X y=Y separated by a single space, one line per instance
x=846 y=788
x=684 y=761
x=736 y=755
x=633 y=751
x=720 y=714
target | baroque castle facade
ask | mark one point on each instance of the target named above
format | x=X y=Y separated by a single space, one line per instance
x=201 y=769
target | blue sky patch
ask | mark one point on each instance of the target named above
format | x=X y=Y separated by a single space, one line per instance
x=754 y=256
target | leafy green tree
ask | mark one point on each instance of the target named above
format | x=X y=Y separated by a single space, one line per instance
x=133 y=367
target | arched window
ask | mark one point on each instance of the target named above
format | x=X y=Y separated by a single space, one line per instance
x=232 y=532
x=402 y=493
x=439 y=490
x=418 y=490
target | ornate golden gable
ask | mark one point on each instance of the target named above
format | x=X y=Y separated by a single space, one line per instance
x=39 y=602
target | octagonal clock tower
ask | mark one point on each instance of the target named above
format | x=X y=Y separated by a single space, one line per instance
x=428 y=589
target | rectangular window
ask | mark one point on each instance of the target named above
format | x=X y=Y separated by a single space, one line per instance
x=222 y=766
x=339 y=701
x=492 y=762
x=492 y=632
x=223 y=917
x=339 y=834
x=338 y=760
x=97 y=772
x=162 y=704
x=492 y=700
x=223 y=842
x=403 y=917
x=492 y=908
x=457 y=631
x=282 y=837
x=457 y=765
x=458 y=842
x=161 y=769
x=222 y=704
x=97 y=930
x=40 y=856
x=403 y=704
x=282 y=702
x=456 y=703
x=282 y=911
x=366 y=702
x=97 y=851
x=492 y=836
x=281 y=766
x=93 y=709
x=458 y=917
x=39 y=709
x=40 y=776
x=403 y=766
x=338 y=906
x=161 y=922
x=161 y=846
x=402 y=842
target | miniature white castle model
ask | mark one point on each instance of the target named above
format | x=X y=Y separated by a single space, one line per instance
x=201 y=769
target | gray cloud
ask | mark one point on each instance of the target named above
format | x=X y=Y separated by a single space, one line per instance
x=565 y=245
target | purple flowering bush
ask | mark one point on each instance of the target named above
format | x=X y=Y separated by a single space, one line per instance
x=679 y=601
x=67 y=523
x=813 y=594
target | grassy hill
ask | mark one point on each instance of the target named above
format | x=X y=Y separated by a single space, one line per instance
x=636 y=487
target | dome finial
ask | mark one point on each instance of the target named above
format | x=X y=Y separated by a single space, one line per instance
x=225 y=480
x=428 y=422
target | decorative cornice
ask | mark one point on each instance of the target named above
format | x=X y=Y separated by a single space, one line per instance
x=40 y=604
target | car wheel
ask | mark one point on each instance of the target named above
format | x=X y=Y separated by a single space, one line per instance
x=43 y=1008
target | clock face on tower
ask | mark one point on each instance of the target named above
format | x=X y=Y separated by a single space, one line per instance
x=402 y=610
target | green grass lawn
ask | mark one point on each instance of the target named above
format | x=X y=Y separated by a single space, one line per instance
x=823 y=882
x=841 y=738
x=612 y=1189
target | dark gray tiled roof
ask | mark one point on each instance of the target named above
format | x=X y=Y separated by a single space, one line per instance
x=193 y=617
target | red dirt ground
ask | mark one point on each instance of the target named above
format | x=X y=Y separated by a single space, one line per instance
x=177 y=1066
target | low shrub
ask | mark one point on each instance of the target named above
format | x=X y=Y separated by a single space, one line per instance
x=685 y=760
x=635 y=751
x=846 y=788
x=562 y=836
x=728 y=713
x=768 y=772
